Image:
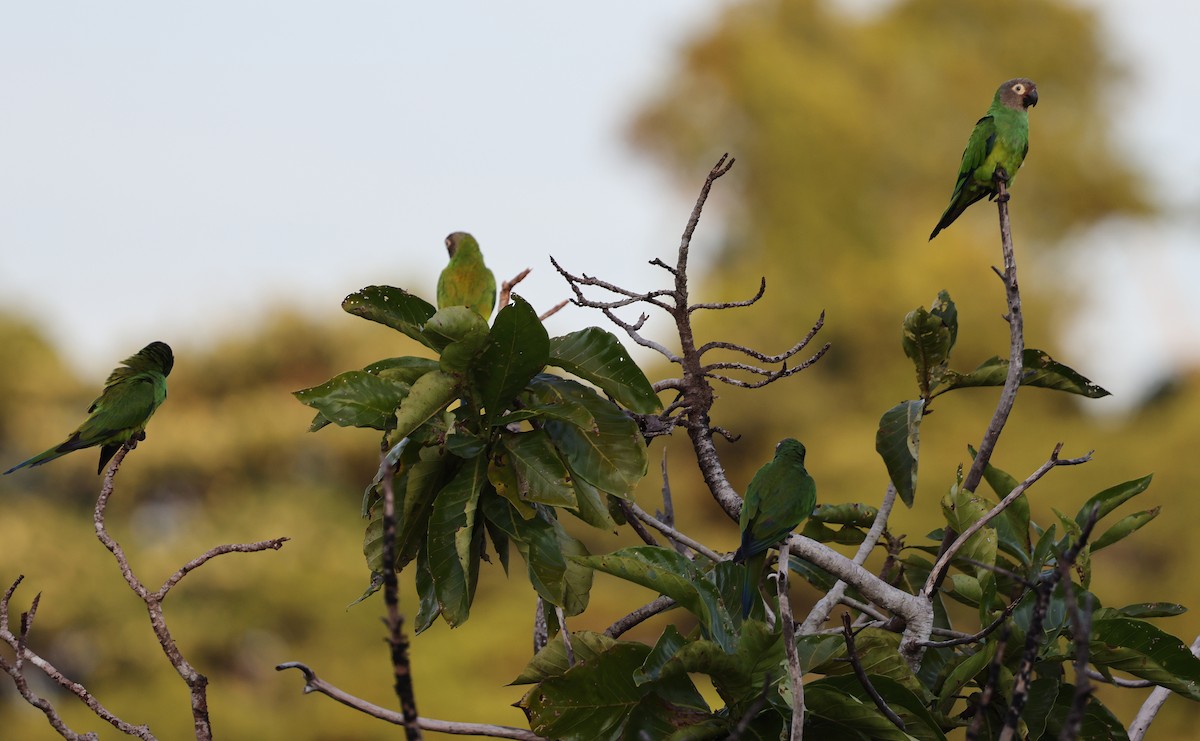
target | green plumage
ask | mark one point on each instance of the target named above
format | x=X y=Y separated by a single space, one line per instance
x=1000 y=138
x=131 y=394
x=780 y=496
x=466 y=281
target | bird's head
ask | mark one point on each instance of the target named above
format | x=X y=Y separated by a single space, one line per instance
x=457 y=240
x=790 y=448
x=1019 y=93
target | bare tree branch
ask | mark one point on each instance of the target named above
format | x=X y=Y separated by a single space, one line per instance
x=863 y=679
x=788 y=627
x=313 y=683
x=821 y=611
x=672 y=534
x=640 y=615
x=397 y=639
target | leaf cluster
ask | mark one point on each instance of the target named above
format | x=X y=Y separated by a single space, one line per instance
x=483 y=445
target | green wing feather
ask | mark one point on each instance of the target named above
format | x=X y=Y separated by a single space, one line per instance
x=967 y=189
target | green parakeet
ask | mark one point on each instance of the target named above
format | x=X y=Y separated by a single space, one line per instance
x=780 y=496
x=466 y=281
x=131 y=394
x=1000 y=138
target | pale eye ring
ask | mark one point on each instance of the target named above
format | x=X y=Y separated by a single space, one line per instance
x=1019 y=89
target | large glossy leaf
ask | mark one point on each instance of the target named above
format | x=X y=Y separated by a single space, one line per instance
x=355 y=399
x=541 y=475
x=825 y=703
x=897 y=441
x=407 y=368
x=1113 y=497
x=850 y=513
x=517 y=349
x=452 y=536
x=1040 y=370
x=613 y=456
x=595 y=699
x=597 y=356
x=591 y=506
x=738 y=676
x=432 y=393
x=392 y=307
x=836 y=711
x=667 y=572
x=1143 y=650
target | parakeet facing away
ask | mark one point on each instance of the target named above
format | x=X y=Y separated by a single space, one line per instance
x=780 y=496
x=466 y=281
x=1000 y=138
x=131 y=394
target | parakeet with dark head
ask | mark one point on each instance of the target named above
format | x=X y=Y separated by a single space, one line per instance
x=466 y=281
x=780 y=496
x=131 y=395
x=1000 y=138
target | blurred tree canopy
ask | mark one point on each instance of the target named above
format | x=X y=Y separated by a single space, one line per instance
x=848 y=132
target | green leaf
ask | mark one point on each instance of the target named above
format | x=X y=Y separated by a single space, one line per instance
x=355 y=399
x=541 y=475
x=406 y=369
x=598 y=357
x=452 y=555
x=1039 y=370
x=964 y=672
x=1012 y=525
x=1149 y=610
x=517 y=348
x=1144 y=651
x=613 y=456
x=1113 y=497
x=962 y=509
x=432 y=393
x=1099 y=724
x=459 y=334
x=878 y=653
x=844 y=701
x=851 y=513
x=667 y=572
x=540 y=543
x=552 y=661
x=927 y=340
x=592 y=506
x=428 y=610
x=1125 y=527
x=594 y=700
x=738 y=676
x=392 y=307
x=897 y=441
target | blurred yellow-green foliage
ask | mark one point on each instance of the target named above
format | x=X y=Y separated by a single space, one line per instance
x=847 y=130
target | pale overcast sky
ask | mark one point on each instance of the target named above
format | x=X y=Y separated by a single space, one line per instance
x=192 y=164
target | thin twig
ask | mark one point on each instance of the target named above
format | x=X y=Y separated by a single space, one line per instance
x=1081 y=627
x=313 y=683
x=638 y=616
x=632 y=518
x=863 y=679
x=672 y=534
x=552 y=310
x=989 y=689
x=976 y=637
x=795 y=674
x=397 y=639
x=937 y=573
x=1034 y=633
x=507 y=286
x=566 y=635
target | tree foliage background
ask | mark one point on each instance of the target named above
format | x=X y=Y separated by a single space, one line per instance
x=847 y=130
